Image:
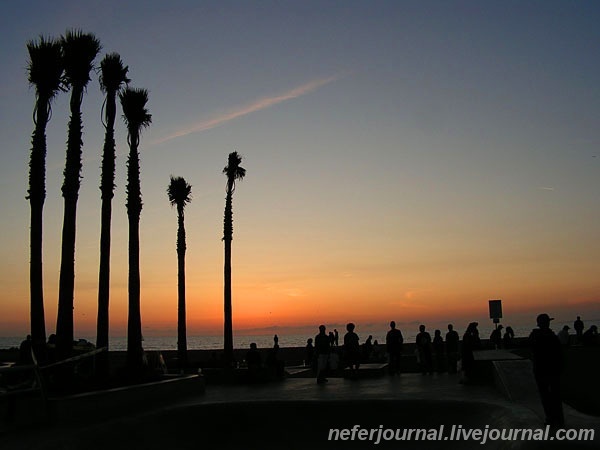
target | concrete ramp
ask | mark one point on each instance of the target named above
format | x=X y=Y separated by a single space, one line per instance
x=514 y=379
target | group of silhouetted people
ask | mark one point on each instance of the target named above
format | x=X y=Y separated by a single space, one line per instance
x=271 y=368
x=432 y=354
x=437 y=354
x=452 y=354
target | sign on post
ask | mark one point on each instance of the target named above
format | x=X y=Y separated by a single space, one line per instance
x=496 y=310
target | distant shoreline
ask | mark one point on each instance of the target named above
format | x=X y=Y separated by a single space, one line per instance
x=291 y=356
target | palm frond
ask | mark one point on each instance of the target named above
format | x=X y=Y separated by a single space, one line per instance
x=79 y=51
x=233 y=170
x=113 y=73
x=179 y=191
x=45 y=67
x=133 y=102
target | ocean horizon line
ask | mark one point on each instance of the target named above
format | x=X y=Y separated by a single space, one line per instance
x=243 y=339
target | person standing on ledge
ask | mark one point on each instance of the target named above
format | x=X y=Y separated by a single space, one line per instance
x=322 y=349
x=547 y=362
x=470 y=342
x=452 y=349
x=578 y=327
x=496 y=337
x=393 y=344
x=352 y=349
x=423 y=342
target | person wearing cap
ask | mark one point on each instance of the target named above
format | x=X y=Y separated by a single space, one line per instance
x=547 y=362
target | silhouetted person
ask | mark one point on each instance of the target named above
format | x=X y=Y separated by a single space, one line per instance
x=367 y=349
x=376 y=353
x=156 y=363
x=393 y=346
x=275 y=341
x=438 y=350
x=547 y=361
x=508 y=341
x=470 y=342
x=590 y=337
x=496 y=337
x=424 y=349
x=274 y=365
x=578 y=327
x=309 y=353
x=352 y=349
x=452 y=349
x=563 y=336
x=322 y=351
x=253 y=358
x=331 y=339
x=336 y=337
x=25 y=351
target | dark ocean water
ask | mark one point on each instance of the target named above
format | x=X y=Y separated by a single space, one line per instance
x=285 y=340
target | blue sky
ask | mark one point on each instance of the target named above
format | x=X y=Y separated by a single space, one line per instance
x=419 y=150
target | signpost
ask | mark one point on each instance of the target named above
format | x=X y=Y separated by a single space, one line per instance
x=496 y=315
x=496 y=311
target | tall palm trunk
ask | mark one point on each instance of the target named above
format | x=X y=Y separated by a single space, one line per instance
x=179 y=193
x=106 y=187
x=45 y=72
x=112 y=75
x=234 y=172
x=135 y=114
x=134 y=208
x=79 y=51
x=181 y=319
x=70 y=192
x=228 y=314
x=37 y=196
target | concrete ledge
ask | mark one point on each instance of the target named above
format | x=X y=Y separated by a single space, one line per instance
x=367 y=371
x=299 y=372
x=116 y=402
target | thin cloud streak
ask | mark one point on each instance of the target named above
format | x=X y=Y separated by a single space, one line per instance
x=258 y=105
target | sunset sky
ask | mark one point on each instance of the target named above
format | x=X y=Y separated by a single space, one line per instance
x=405 y=160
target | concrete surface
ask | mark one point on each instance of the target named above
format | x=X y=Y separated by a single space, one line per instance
x=296 y=413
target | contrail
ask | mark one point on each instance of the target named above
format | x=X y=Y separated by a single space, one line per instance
x=243 y=110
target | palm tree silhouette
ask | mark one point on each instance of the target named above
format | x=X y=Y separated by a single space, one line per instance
x=45 y=70
x=136 y=116
x=112 y=75
x=234 y=172
x=179 y=192
x=79 y=51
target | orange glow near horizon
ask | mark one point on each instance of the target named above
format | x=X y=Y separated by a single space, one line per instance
x=259 y=305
